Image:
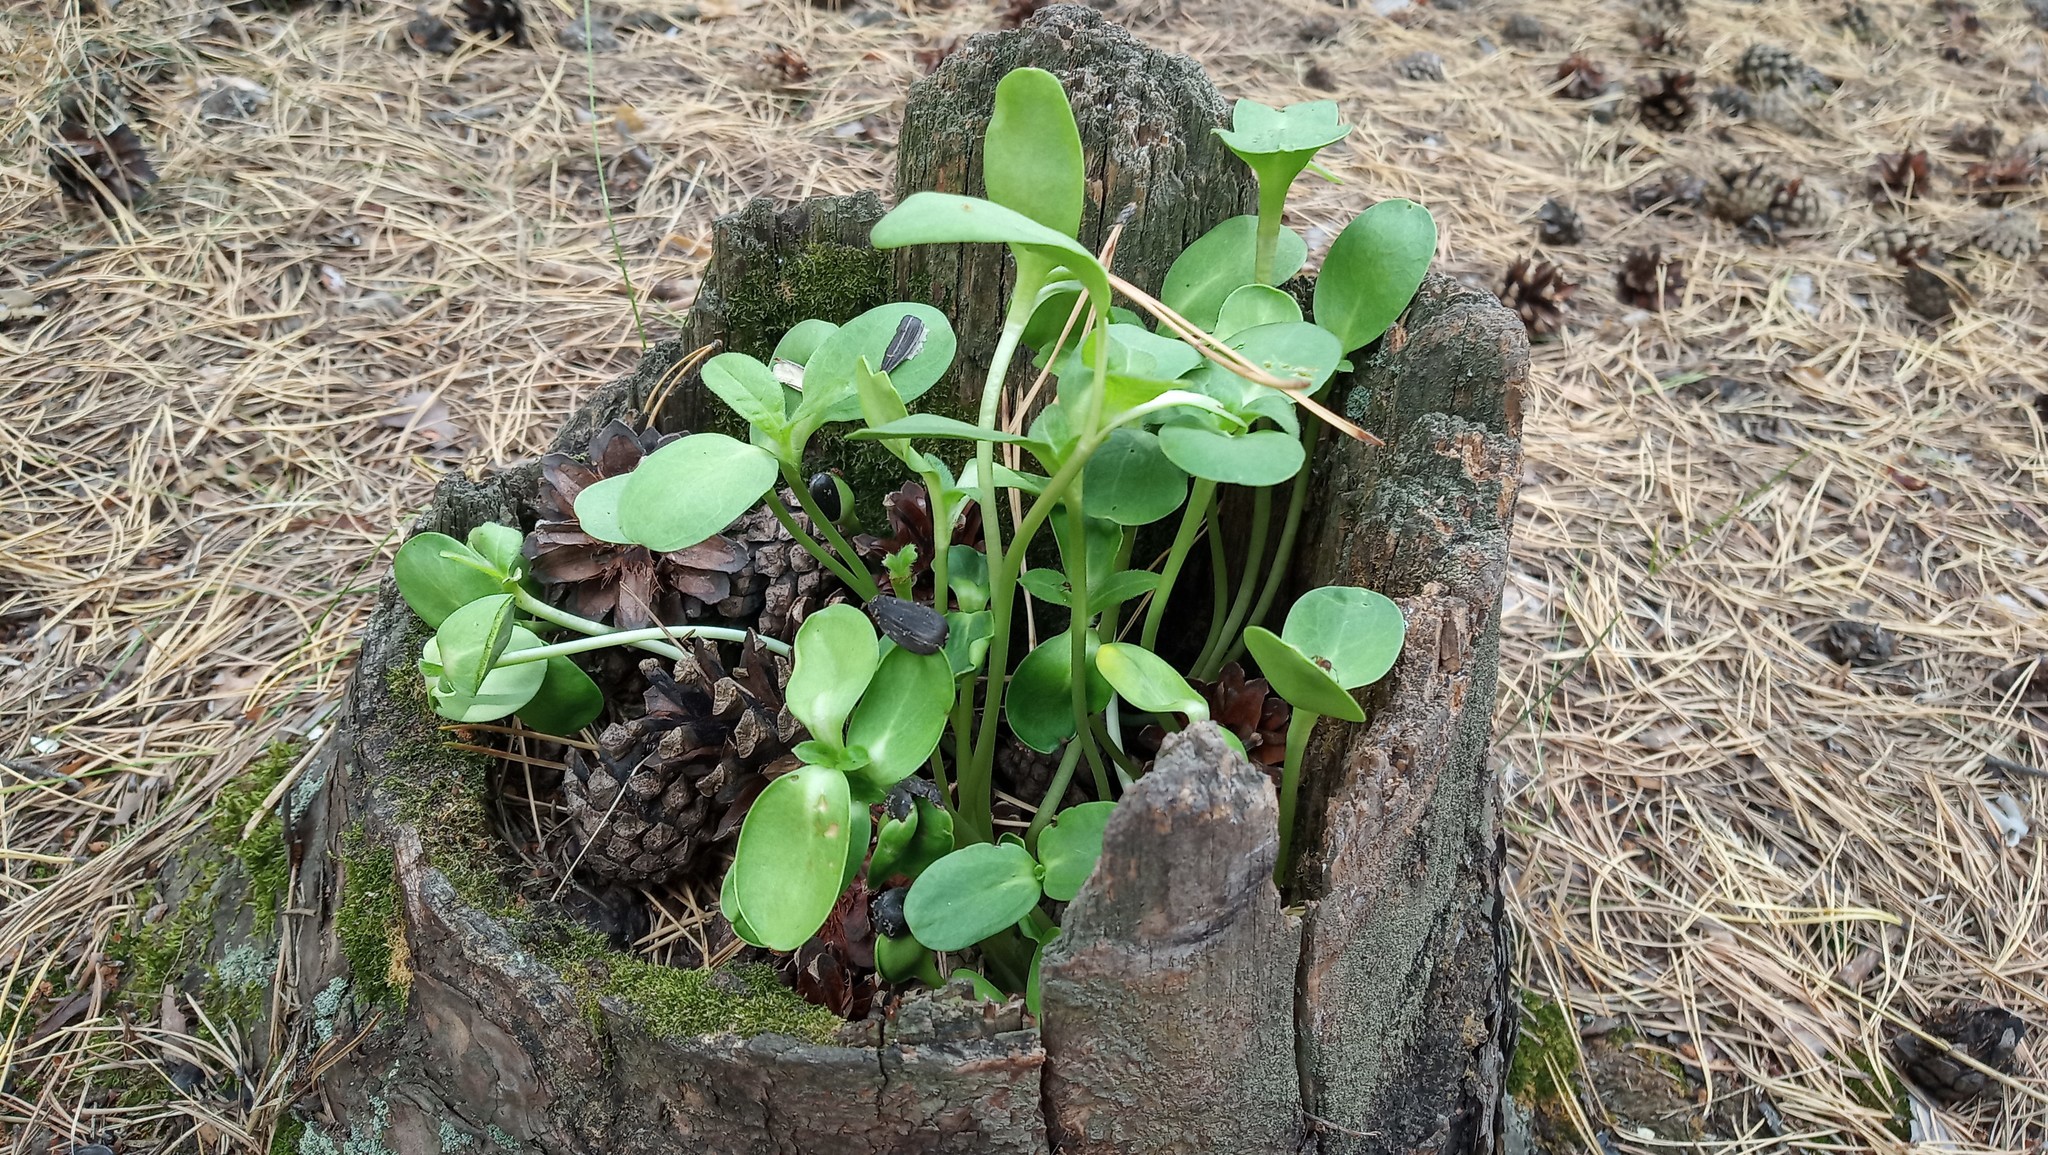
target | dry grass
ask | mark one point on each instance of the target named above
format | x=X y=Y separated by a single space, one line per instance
x=400 y=264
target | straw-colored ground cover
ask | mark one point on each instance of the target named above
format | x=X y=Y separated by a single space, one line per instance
x=1730 y=854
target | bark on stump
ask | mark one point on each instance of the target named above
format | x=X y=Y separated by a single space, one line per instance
x=1187 y=1011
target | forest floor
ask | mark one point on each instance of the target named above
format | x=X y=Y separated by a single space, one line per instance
x=1738 y=864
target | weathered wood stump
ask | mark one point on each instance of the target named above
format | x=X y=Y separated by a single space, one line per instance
x=1187 y=1010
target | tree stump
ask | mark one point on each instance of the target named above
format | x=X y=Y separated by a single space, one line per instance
x=1186 y=1010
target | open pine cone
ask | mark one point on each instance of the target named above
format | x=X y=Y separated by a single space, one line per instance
x=626 y=584
x=1579 y=78
x=1903 y=175
x=1647 y=281
x=1666 y=103
x=115 y=158
x=663 y=788
x=1539 y=294
x=909 y=510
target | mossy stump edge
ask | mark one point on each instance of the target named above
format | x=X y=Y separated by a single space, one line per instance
x=1187 y=1010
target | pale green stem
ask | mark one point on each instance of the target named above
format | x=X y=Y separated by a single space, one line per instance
x=1061 y=779
x=639 y=638
x=1298 y=729
x=854 y=574
x=1191 y=518
x=975 y=820
x=1077 y=634
x=1219 y=572
x=810 y=544
x=1283 y=557
x=1262 y=516
x=1271 y=202
x=611 y=634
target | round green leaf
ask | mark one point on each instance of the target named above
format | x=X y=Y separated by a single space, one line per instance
x=901 y=959
x=836 y=656
x=984 y=990
x=1221 y=261
x=567 y=699
x=967 y=638
x=1069 y=847
x=893 y=840
x=791 y=855
x=1290 y=349
x=1250 y=306
x=1358 y=632
x=438 y=575
x=1296 y=677
x=1146 y=681
x=597 y=509
x=802 y=340
x=1261 y=457
x=861 y=826
x=729 y=906
x=1130 y=481
x=500 y=546
x=748 y=388
x=471 y=639
x=1373 y=269
x=829 y=391
x=1039 y=699
x=505 y=689
x=971 y=894
x=1261 y=130
x=936 y=218
x=1031 y=153
x=902 y=715
x=689 y=490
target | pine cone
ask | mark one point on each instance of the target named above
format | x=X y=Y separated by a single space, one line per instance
x=115 y=158
x=1659 y=26
x=1743 y=195
x=2014 y=234
x=1525 y=30
x=666 y=786
x=626 y=584
x=1425 y=66
x=1904 y=244
x=1022 y=772
x=1539 y=294
x=1857 y=22
x=1666 y=103
x=783 y=583
x=1557 y=224
x=1798 y=204
x=836 y=968
x=1669 y=192
x=429 y=33
x=1580 y=79
x=909 y=510
x=496 y=18
x=1733 y=101
x=1980 y=139
x=1990 y=1035
x=1929 y=293
x=1647 y=281
x=1767 y=66
x=1903 y=175
x=1995 y=182
x=1789 y=108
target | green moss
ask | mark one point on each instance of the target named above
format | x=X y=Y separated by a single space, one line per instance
x=744 y=1000
x=1871 y=1091
x=1546 y=1044
x=238 y=986
x=429 y=797
x=831 y=282
x=285 y=1140
x=265 y=859
x=153 y=955
x=367 y=923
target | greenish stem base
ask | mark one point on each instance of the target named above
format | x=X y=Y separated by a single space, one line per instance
x=1299 y=727
x=1191 y=519
x=1211 y=661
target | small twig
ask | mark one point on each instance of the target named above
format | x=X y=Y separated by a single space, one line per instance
x=2008 y=766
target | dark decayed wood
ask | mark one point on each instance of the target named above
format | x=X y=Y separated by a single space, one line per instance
x=1187 y=1010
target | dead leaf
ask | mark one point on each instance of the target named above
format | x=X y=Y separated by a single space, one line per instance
x=422 y=412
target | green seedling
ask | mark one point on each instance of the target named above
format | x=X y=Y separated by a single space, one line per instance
x=1160 y=413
